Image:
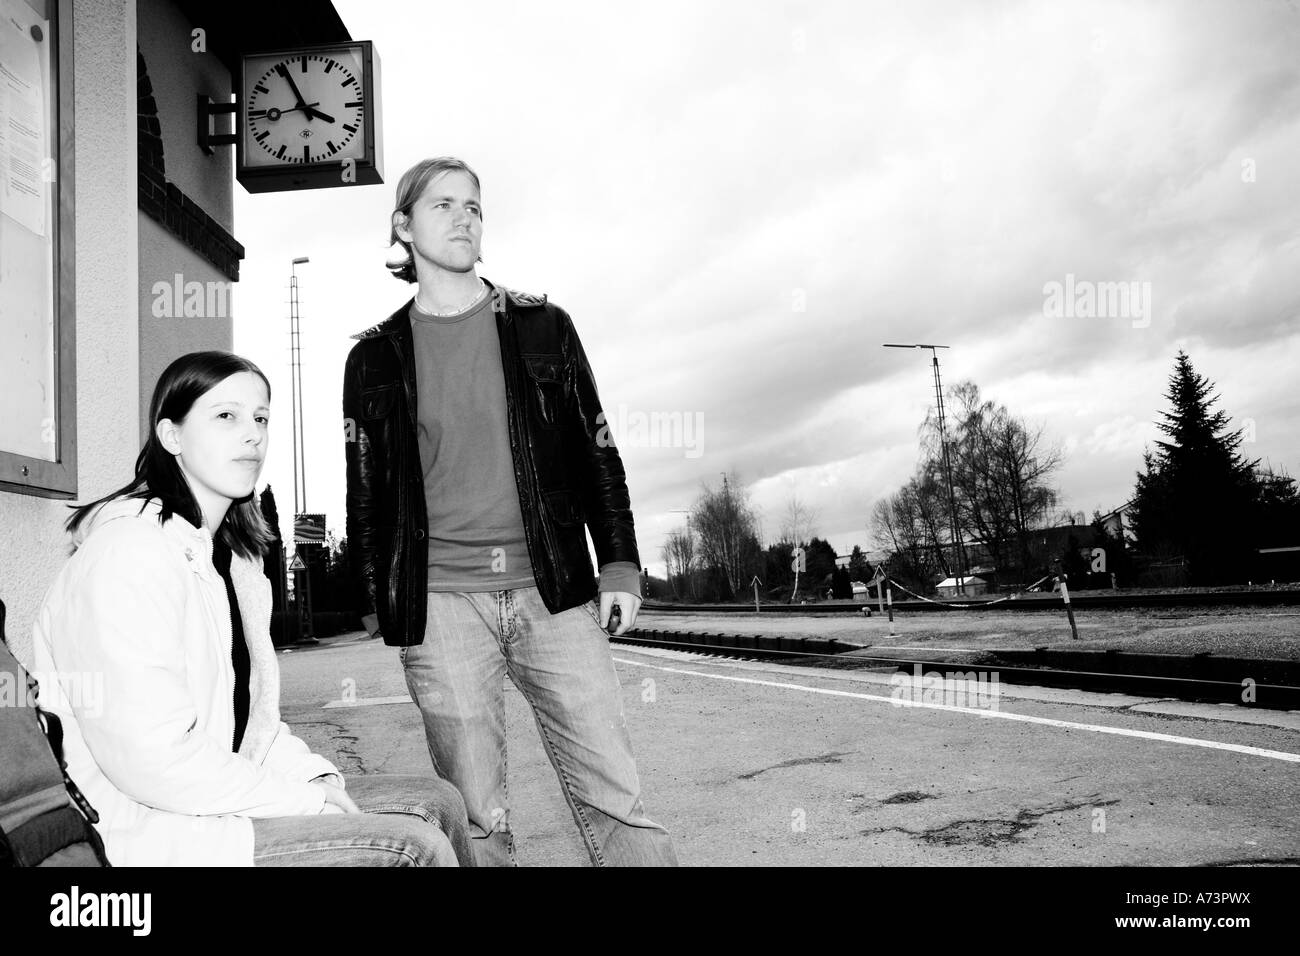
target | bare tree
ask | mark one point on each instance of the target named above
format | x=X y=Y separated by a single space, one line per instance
x=726 y=526
x=1001 y=469
x=799 y=523
x=904 y=525
x=679 y=559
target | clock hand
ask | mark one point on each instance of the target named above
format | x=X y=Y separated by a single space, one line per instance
x=302 y=103
x=325 y=116
x=274 y=113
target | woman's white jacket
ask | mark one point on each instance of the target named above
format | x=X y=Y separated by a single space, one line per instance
x=132 y=647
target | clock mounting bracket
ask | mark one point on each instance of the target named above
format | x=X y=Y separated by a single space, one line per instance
x=208 y=111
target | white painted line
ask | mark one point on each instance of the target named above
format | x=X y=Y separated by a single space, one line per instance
x=368 y=702
x=1026 y=692
x=990 y=714
x=913 y=647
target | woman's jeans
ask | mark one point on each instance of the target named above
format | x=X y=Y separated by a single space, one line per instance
x=562 y=665
x=408 y=821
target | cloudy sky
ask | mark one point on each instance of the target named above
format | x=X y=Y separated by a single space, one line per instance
x=738 y=203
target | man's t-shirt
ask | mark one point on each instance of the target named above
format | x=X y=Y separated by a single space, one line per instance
x=476 y=530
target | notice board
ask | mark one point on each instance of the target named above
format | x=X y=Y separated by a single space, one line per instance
x=37 y=371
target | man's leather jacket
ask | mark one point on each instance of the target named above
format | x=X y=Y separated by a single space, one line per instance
x=567 y=470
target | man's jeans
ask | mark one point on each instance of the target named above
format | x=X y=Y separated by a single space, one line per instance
x=408 y=821
x=562 y=665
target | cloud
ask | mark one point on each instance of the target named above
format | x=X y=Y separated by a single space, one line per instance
x=739 y=204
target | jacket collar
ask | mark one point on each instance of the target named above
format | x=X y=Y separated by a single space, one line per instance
x=395 y=324
x=400 y=321
x=194 y=543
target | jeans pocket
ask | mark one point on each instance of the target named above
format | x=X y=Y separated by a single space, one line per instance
x=593 y=611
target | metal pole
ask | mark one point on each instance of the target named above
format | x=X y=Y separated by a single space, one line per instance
x=959 y=549
x=1069 y=611
x=293 y=390
x=295 y=372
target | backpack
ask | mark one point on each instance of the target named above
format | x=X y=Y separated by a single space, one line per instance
x=44 y=819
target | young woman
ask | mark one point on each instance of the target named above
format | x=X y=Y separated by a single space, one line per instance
x=158 y=630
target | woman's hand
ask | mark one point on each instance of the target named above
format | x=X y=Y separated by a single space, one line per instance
x=336 y=797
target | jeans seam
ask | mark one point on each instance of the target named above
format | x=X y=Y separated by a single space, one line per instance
x=577 y=805
x=407 y=809
x=271 y=854
x=566 y=784
x=505 y=792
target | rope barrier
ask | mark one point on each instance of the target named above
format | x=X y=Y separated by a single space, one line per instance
x=966 y=605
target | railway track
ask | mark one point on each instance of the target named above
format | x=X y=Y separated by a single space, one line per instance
x=1267 y=684
x=1258 y=597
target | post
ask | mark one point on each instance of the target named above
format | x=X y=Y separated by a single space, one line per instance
x=890 y=593
x=302 y=587
x=880 y=595
x=959 y=549
x=284 y=591
x=1069 y=611
x=302 y=596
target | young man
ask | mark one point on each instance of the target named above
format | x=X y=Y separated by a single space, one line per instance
x=476 y=454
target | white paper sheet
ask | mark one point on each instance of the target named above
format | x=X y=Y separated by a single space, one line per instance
x=22 y=117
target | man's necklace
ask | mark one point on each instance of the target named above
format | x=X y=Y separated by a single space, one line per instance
x=482 y=288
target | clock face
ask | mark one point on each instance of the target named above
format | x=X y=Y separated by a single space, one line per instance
x=304 y=108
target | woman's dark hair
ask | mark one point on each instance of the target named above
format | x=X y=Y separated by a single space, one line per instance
x=157 y=473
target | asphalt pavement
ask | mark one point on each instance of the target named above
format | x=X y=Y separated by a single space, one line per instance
x=755 y=763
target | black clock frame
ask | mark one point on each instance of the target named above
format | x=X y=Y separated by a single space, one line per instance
x=369 y=169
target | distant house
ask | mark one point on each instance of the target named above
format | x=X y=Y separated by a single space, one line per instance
x=1113 y=523
x=948 y=587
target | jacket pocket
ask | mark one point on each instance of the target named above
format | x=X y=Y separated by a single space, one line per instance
x=563 y=507
x=377 y=403
x=546 y=378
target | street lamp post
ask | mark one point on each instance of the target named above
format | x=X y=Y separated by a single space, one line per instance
x=958 y=547
x=295 y=389
x=302 y=580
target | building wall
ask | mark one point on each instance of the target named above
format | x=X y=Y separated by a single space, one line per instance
x=162 y=258
x=34 y=545
x=177 y=73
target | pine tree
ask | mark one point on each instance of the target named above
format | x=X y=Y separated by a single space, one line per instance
x=1196 y=496
x=859 y=567
x=1279 y=509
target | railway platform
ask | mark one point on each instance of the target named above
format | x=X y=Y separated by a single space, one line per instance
x=753 y=762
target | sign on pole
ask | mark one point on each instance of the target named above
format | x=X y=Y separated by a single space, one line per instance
x=309 y=529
